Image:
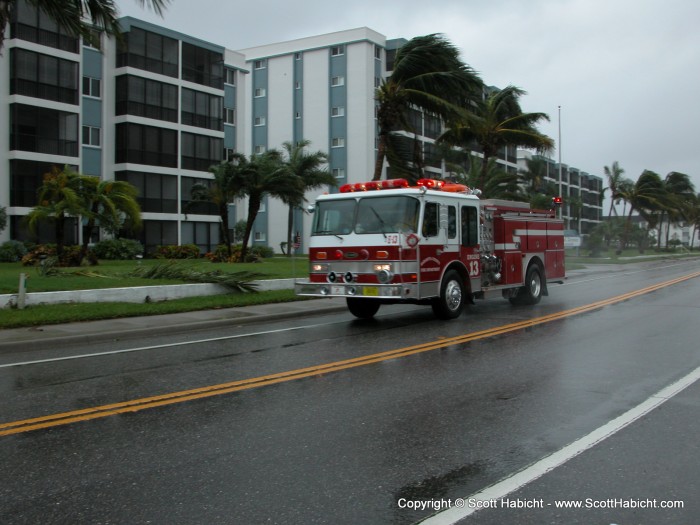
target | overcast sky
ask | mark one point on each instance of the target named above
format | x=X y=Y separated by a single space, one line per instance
x=626 y=73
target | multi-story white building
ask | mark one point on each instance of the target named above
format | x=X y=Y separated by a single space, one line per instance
x=161 y=109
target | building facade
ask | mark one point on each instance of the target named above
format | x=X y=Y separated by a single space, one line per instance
x=581 y=192
x=162 y=107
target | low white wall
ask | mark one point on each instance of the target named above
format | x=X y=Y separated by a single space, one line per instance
x=138 y=294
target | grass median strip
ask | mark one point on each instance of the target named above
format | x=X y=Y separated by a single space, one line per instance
x=136 y=405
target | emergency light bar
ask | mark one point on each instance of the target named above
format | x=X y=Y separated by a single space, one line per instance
x=374 y=185
x=557 y=201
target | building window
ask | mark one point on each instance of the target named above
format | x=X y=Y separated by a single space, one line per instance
x=34 y=25
x=259 y=121
x=91 y=136
x=337 y=81
x=43 y=76
x=259 y=92
x=260 y=237
x=202 y=66
x=337 y=51
x=377 y=82
x=297 y=114
x=259 y=150
x=377 y=52
x=338 y=111
x=297 y=85
x=338 y=142
x=150 y=52
x=92 y=87
x=297 y=56
x=156 y=193
x=189 y=206
x=230 y=77
x=95 y=41
x=149 y=145
x=229 y=116
x=146 y=98
x=43 y=130
x=202 y=110
x=259 y=64
x=200 y=152
x=228 y=154
x=338 y=173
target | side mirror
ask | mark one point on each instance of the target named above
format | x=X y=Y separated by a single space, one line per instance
x=310 y=209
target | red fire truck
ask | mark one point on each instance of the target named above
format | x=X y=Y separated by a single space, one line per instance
x=435 y=243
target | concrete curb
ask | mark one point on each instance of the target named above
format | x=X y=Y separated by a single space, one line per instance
x=136 y=294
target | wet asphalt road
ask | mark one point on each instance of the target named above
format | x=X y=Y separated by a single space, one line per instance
x=357 y=445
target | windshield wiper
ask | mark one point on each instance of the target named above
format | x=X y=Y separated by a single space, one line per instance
x=381 y=222
x=329 y=232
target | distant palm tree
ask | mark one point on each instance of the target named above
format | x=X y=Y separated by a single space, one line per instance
x=647 y=197
x=265 y=175
x=614 y=175
x=428 y=75
x=678 y=188
x=224 y=189
x=312 y=172
x=59 y=197
x=108 y=204
x=500 y=184
x=497 y=122
x=77 y=17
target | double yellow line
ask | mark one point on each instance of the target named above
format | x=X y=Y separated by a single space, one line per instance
x=65 y=418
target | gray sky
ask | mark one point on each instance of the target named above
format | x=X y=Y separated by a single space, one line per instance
x=626 y=73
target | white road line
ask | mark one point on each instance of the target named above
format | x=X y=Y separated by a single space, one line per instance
x=549 y=463
x=157 y=347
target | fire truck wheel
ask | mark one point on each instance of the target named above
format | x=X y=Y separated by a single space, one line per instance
x=531 y=293
x=362 y=308
x=451 y=301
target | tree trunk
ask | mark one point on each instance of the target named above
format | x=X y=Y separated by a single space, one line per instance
x=290 y=227
x=381 y=155
x=253 y=208
x=225 y=235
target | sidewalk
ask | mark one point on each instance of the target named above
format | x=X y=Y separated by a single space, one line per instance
x=18 y=339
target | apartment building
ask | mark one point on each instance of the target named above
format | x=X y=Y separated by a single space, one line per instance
x=155 y=111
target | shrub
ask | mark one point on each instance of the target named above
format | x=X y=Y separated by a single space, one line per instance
x=186 y=251
x=71 y=256
x=220 y=254
x=12 y=251
x=118 y=249
x=264 y=252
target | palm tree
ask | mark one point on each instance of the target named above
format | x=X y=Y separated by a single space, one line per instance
x=226 y=187
x=614 y=175
x=77 y=17
x=678 y=188
x=265 y=175
x=691 y=211
x=646 y=196
x=497 y=122
x=308 y=168
x=108 y=203
x=59 y=197
x=428 y=75
x=500 y=184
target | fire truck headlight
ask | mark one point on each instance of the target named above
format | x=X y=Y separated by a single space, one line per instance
x=384 y=276
x=318 y=267
x=382 y=267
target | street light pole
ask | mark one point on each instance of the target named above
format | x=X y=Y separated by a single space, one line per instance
x=561 y=209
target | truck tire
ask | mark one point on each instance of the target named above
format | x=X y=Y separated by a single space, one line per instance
x=362 y=308
x=531 y=293
x=452 y=297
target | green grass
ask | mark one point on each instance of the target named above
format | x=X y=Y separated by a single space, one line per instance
x=68 y=313
x=113 y=274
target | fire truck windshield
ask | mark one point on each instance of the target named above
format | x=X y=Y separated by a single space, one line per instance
x=386 y=214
